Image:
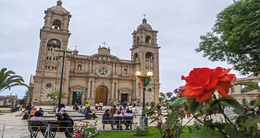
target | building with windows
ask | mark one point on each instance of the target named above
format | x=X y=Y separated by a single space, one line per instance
x=100 y=77
x=235 y=90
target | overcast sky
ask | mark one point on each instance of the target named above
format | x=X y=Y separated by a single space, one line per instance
x=179 y=22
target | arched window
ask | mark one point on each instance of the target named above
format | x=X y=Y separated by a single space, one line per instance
x=53 y=43
x=79 y=67
x=137 y=40
x=135 y=56
x=148 y=39
x=149 y=57
x=125 y=71
x=56 y=24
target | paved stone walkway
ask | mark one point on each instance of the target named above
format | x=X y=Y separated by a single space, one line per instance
x=16 y=127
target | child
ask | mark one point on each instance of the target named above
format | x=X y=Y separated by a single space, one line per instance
x=159 y=112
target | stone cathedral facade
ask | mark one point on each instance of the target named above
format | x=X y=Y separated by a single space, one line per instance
x=100 y=77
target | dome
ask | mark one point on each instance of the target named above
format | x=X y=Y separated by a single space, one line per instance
x=58 y=8
x=145 y=25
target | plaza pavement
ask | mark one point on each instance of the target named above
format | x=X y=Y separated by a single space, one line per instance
x=14 y=121
x=15 y=118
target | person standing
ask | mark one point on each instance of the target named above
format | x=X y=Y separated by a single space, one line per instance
x=130 y=107
x=87 y=105
x=138 y=103
x=134 y=111
x=34 y=103
x=61 y=109
x=100 y=105
x=124 y=105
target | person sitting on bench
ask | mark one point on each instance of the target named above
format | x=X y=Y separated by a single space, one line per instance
x=127 y=123
x=37 y=117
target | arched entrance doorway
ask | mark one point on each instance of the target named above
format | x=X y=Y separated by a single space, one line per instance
x=101 y=94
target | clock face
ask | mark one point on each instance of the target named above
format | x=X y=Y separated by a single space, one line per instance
x=54 y=41
x=102 y=71
x=150 y=89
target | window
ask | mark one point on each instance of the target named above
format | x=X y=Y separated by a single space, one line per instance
x=56 y=25
x=148 y=39
x=149 y=57
x=125 y=71
x=79 y=67
x=53 y=43
x=135 y=56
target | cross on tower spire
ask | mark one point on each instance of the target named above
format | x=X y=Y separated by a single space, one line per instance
x=144 y=20
x=104 y=43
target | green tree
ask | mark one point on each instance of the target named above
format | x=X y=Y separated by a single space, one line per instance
x=8 y=79
x=26 y=95
x=235 y=37
x=54 y=95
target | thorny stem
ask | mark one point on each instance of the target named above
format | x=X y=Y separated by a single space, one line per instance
x=225 y=116
x=187 y=123
x=198 y=119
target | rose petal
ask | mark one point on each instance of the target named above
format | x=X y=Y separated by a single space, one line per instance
x=192 y=93
x=223 y=88
x=228 y=77
x=205 y=96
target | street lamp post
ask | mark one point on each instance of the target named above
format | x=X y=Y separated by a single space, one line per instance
x=145 y=79
x=62 y=68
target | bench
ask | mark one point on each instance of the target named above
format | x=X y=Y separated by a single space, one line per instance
x=127 y=121
x=49 y=128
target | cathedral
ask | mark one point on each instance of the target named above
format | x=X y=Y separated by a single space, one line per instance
x=100 y=77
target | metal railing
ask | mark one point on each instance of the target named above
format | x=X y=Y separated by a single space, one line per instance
x=9 y=131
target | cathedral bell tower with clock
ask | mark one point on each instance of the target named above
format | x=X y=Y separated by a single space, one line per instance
x=53 y=35
x=145 y=53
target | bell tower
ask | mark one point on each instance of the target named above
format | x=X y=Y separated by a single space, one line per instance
x=53 y=35
x=145 y=52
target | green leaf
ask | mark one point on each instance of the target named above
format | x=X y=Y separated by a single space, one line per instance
x=232 y=102
x=208 y=122
x=178 y=102
x=248 y=89
x=213 y=107
x=194 y=106
x=232 y=133
x=171 y=119
x=252 y=121
x=250 y=86
x=255 y=102
x=207 y=133
x=182 y=113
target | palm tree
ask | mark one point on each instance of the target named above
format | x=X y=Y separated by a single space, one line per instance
x=8 y=79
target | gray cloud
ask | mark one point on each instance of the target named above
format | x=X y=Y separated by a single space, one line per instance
x=180 y=24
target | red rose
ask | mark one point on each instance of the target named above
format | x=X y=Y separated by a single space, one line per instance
x=202 y=82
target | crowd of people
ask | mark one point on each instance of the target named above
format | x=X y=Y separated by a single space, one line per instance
x=31 y=111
